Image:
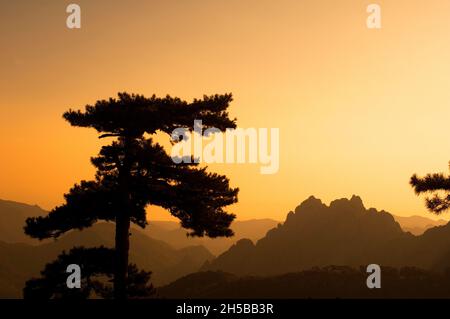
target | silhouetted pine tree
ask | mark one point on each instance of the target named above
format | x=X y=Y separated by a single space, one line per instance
x=436 y=184
x=134 y=171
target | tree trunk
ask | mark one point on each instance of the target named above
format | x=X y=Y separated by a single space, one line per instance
x=122 y=248
x=123 y=227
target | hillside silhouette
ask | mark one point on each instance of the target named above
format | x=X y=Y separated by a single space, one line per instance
x=13 y=215
x=12 y=218
x=343 y=233
x=417 y=225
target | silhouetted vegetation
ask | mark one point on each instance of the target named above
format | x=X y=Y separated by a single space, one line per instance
x=325 y=282
x=433 y=184
x=134 y=171
x=97 y=270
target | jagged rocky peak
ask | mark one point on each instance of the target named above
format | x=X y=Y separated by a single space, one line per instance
x=309 y=204
x=354 y=204
x=313 y=207
x=313 y=204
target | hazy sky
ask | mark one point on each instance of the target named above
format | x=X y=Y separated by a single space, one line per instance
x=359 y=110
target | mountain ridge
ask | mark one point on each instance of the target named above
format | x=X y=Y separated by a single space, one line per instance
x=342 y=233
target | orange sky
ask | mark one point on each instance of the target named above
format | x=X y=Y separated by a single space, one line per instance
x=359 y=110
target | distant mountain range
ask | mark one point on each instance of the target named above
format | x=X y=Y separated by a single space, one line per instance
x=255 y=229
x=173 y=234
x=14 y=214
x=417 y=225
x=343 y=233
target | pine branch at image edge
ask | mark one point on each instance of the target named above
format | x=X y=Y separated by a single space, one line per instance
x=134 y=172
x=438 y=186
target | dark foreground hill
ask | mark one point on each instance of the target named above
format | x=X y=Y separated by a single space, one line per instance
x=343 y=233
x=19 y=262
x=327 y=282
